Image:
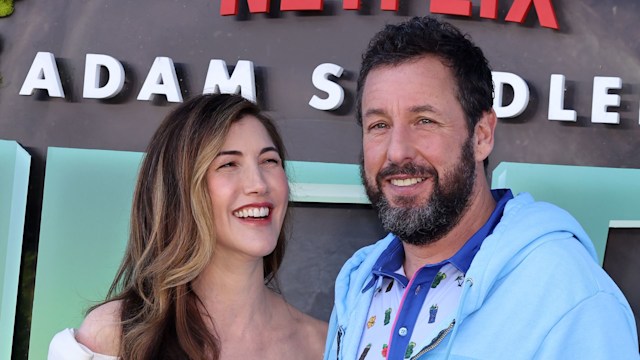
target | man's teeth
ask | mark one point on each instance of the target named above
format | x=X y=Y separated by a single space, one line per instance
x=406 y=182
x=252 y=212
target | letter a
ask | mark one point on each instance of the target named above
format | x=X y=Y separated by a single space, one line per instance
x=43 y=75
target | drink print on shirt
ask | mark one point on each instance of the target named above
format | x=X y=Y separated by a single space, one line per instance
x=387 y=316
x=407 y=354
x=388 y=296
x=439 y=277
x=433 y=311
x=390 y=286
x=385 y=349
x=365 y=352
x=371 y=322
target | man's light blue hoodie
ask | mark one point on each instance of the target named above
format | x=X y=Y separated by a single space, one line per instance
x=533 y=291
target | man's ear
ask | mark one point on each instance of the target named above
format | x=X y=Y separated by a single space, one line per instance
x=483 y=135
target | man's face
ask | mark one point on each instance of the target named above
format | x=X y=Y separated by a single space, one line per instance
x=418 y=158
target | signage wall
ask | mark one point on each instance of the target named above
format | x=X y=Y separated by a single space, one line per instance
x=80 y=74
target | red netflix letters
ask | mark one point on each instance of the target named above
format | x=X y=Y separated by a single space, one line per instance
x=488 y=8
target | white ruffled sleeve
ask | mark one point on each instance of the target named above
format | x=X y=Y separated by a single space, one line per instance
x=64 y=346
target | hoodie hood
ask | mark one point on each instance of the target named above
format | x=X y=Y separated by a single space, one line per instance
x=525 y=224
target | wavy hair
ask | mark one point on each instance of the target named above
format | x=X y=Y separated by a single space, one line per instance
x=172 y=236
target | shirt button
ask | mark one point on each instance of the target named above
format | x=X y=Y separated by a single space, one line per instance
x=402 y=331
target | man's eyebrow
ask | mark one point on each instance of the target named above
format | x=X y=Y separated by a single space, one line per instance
x=423 y=108
x=374 y=111
x=414 y=109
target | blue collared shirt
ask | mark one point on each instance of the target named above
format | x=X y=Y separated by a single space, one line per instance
x=402 y=306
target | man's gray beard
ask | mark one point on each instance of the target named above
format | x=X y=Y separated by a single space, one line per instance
x=425 y=224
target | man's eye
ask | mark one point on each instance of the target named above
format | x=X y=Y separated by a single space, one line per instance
x=425 y=121
x=378 y=126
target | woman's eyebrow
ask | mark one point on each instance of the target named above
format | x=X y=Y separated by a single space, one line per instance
x=239 y=153
x=229 y=152
x=267 y=149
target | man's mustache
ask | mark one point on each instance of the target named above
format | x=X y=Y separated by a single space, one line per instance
x=411 y=169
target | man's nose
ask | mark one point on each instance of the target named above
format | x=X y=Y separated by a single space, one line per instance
x=401 y=148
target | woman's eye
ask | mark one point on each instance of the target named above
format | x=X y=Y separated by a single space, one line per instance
x=272 y=161
x=227 y=165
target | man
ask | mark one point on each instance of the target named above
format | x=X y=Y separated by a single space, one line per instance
x=466 y=272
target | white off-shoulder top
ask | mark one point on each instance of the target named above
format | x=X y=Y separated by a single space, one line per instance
x=64 y=346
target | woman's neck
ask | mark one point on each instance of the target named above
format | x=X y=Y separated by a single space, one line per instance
x=235 y=296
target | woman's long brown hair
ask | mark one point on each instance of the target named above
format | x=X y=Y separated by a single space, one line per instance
x=172 y=237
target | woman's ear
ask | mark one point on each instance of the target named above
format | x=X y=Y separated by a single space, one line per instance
x=483 y=135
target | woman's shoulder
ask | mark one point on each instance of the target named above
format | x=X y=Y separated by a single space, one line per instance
x=64 y=346
x=101 y=329
x=309 y=331
x=314 y=327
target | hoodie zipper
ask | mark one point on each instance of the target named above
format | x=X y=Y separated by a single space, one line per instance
x=338 y=341
x=436 y=341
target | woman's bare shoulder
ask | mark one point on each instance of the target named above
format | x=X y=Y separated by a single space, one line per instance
x=311 y=332
x=315 y=327
x=100 y=331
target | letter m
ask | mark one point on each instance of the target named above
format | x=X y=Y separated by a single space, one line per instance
x=230 y=7
x=242 y=81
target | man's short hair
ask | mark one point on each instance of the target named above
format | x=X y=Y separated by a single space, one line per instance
x=421 y=36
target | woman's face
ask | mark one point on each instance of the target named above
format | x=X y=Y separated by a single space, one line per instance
x=249 y=191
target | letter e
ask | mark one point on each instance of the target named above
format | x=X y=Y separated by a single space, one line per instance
x=602 y=99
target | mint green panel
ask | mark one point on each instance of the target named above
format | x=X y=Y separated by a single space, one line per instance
x=84 y=229
x=325 y=182
x=594 y=195
x=14 y=182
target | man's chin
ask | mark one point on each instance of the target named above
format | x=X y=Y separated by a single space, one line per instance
x=406 y=202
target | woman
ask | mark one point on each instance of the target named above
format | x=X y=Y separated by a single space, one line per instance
x=206 y=241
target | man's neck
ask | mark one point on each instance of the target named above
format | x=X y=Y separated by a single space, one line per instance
x=481 y=205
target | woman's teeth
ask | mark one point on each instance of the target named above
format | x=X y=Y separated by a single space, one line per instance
x=252 y=212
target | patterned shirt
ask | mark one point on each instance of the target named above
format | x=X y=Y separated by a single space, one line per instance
x=403 y=314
